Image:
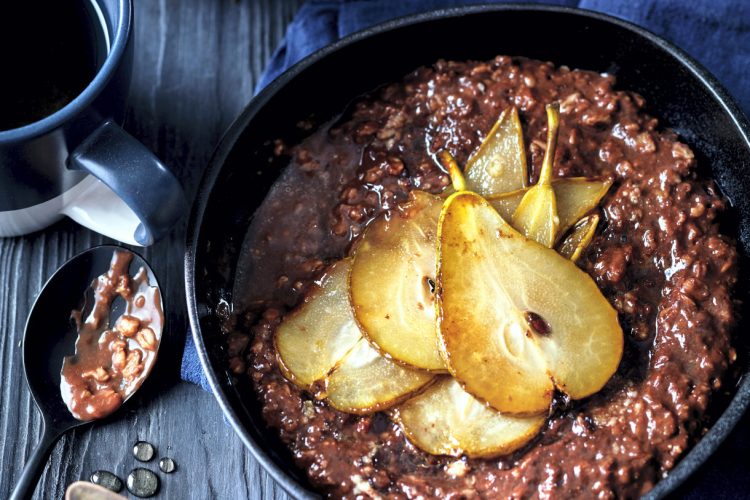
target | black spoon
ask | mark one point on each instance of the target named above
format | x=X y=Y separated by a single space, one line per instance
x=50 y=336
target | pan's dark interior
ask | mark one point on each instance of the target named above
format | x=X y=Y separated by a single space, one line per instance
x=243 y=169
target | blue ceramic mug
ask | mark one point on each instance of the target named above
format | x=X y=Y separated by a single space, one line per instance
x=77 y=161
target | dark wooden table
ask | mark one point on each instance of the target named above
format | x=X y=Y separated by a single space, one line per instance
x=196 y=64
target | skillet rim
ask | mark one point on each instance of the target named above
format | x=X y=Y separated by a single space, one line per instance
x=697 y=455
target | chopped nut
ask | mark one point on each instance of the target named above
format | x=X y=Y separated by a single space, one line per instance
x=645 y=143
x=123 y=286
x=457 y=468
x=395 y=166
x=100 y=374
x=271 y=314
x=480 y=68
x=697 y=210
x=569 y=103
x=119 y=359
x=349 y=195
x=237 y=365
x=680 y=150
x=306 y=161
x=127 y=325
x=133 y=365
x=146 y=338
x=308 y=409
x=312 y=265
x=366 y=129
x=118 y=345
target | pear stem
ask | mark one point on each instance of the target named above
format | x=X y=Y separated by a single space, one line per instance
x=553 y=124
x=457 y=177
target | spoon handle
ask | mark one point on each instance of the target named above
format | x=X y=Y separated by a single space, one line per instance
x=35 y=466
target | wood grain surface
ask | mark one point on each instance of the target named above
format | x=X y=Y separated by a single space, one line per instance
x=196 y=64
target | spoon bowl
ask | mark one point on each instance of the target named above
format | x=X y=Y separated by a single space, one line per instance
x=50 y=336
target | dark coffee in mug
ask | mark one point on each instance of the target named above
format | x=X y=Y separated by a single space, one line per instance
x=50 y=50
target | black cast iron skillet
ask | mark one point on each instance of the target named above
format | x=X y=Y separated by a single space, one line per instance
x=677 y=89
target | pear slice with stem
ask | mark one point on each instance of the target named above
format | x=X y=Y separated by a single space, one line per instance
x=365 y=381
x=579 y=238
x=446 y=420
x=392 y=282
x=536 y=215
x=499 y=165
x=315 y=337
x=575 y=197
x=458 y=181
x=516 y=319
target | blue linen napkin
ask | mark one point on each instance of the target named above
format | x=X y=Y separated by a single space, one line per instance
x=715 y=32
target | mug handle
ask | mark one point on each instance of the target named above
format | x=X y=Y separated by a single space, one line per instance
x=140 y=199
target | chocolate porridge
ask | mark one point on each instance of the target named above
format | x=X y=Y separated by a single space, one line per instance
x=113 y=357
x=657 y=256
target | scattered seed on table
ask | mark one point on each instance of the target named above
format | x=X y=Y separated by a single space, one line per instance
x=107 y=480
x=143 y=451
x=167 y=465
x=143 y=483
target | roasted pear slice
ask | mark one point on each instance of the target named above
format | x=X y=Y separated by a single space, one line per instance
x=579 y=238
x=446 y=420
x=366 y=382
x=392 y=282
x=536 y=215
x=499 y=165
x=316 y=336
x=575 y=197
x=516 y=318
